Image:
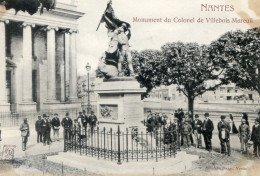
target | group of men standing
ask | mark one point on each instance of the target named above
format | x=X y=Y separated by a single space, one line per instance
x=155 y=121
x=84 y=120
x=44 y=126
x=186 y=126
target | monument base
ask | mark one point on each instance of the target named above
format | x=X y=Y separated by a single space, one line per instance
x=119 y=102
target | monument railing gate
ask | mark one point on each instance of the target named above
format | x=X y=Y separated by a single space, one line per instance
x=122 y=146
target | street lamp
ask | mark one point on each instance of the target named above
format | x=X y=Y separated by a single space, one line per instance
x=88 y=67
x=84 y=90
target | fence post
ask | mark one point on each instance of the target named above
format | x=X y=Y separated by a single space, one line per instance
x=65 y=141
x=147 y=147
x=126 y=144
x=62 y=168
x=119 y=159
x=91 y=134
x=160 y=138
x=104 y=142
x=156 y=147
x=98 y=141
x=142 y=145
x=80 y=139
x=111 y=138
x=75 y=138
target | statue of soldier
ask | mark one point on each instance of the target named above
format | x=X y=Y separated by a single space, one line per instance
x=119 y=34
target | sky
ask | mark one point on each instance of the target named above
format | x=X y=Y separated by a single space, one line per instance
x=91 y=43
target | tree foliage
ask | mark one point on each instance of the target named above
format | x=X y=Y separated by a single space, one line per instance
x=148 y=67
x=30 y=6
x=243 y=51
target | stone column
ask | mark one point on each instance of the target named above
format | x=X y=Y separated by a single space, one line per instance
x=67 y=63
x=2 y=63
x=27 y=62
x=73 y=66
x=51 y=73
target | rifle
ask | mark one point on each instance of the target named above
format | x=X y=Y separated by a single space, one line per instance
x=103 y=14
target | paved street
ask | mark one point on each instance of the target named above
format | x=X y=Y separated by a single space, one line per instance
x=12 y=136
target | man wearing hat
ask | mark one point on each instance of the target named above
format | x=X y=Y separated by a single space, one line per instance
x=25 y=133
x=45 y=127
x=197 y=124
x=67 y=125
x=92 y=120
x=84 y=120
x=50 y=125
x=151 y=123
x=255 y=137
x=56 y=127
x=207 y=129
x=224 y=130
x=38 y=129
x=243 y=134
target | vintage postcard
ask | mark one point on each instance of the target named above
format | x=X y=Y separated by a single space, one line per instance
x=140 y=87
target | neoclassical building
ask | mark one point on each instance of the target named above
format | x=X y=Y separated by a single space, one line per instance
x=38 y=59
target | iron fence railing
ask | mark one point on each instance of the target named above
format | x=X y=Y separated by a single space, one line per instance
x=119 y=146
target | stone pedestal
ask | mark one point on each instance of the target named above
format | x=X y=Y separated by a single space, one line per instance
x=119 y=102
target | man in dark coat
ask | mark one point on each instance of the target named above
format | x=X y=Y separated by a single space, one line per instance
x=224 y=130
x=46 y=128
x=67 y=125
x=151 y=123
x=56 y=127
x=196 y=125
x=255 y=137
x=84 y=120
x=50 y=125
x=207 y=129
x=38 y=129
x=25 y=133
x=92 y=120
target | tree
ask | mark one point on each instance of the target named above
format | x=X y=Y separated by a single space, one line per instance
x=243 y=49
x=149 y=68
x=195 y=69
x=30 y=6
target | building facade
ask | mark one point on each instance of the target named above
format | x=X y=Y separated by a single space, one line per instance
x=228 y=92
x=38 y=59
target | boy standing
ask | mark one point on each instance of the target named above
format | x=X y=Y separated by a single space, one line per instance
x=243 y=134
x=224 y=135
x=224 y=140
x=186 y=132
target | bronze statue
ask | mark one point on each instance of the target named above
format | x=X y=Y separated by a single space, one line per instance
x=118 y=48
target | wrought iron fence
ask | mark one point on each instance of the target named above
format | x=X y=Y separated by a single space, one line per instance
x=119 y=146
x=16 y=118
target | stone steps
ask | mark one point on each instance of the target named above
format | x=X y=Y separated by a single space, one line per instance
x=179 y=164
